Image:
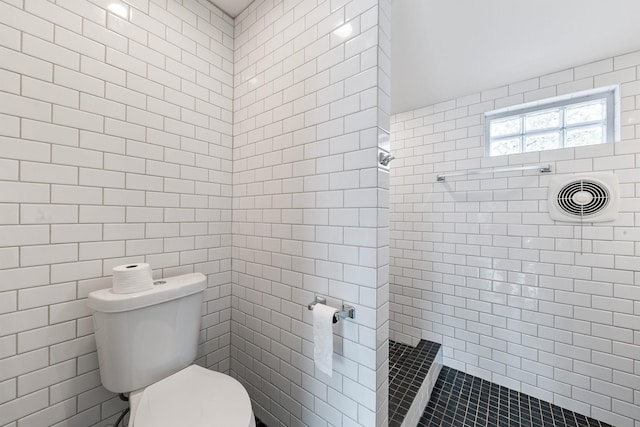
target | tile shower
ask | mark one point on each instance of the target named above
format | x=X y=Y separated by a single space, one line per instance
x=548 y=309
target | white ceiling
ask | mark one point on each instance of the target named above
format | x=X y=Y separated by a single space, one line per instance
x=232 y=7
x=442 y=49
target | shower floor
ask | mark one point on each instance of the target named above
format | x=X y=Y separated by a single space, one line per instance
x=459 y=399
x=462 y=400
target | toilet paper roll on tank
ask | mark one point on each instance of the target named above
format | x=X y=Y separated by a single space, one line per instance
x=130 y=278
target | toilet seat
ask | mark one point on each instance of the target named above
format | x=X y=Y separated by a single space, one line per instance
x=194 y=397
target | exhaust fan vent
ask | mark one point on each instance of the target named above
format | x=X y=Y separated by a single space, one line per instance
x=589 y=198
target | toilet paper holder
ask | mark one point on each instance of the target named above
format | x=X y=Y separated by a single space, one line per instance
x=348 y=311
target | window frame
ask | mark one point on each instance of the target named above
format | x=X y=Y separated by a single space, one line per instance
x=609 y=94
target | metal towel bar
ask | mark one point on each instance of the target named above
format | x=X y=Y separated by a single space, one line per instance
x=540 y=168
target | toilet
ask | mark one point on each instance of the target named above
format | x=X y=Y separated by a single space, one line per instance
x=147 y=342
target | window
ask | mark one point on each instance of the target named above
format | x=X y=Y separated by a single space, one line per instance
x=582 y=119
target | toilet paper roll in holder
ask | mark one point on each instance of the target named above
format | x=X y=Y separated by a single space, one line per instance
x=348 y=311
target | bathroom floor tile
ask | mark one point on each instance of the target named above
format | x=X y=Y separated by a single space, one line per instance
x=459 y=399
x=408 y=367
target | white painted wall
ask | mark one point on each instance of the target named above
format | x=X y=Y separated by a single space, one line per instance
x=478 y=265
x=115 y=147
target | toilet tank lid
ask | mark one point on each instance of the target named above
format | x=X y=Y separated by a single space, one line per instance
x=106 y=301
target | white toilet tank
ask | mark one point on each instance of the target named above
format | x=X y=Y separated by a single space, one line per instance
x=146 y=336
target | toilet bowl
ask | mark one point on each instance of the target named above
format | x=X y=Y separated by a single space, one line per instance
x=192 y=397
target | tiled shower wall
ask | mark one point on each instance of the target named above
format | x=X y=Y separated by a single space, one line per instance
x=550 y=309
x=115 y=147
x=306 y=218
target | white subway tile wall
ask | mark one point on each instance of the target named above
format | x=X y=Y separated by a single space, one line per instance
x=549 y=309
x=311 y=96
x=115 y=146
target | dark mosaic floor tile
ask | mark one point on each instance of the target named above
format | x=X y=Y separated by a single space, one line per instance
x=459 y=399
x=408 y=367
